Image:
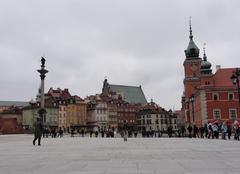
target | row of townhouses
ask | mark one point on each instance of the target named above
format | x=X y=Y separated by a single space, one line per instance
x=116 y=107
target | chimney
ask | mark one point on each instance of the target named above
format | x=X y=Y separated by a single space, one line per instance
x=218 y=67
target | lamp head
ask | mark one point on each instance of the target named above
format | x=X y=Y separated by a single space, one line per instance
x=234 y=79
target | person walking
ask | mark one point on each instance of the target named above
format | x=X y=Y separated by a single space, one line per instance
x=72 y=132
x=237 y=131
x=183 y=130
x=206 y=130
x=102 y=132
x=190 y=130
x=229 y=131
x=125 y=134
x=195 y=131
x=60 y=132
x=210 y=131
x=38 y=132
x=82 y=132
x=201 y=129
x=170 y=131
x=224 y=130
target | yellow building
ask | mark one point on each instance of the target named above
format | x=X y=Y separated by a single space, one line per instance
x=76 y=112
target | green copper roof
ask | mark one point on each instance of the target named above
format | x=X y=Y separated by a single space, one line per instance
x=192 y=50
x=205 y=65
x=131 y=94
x=13 y=103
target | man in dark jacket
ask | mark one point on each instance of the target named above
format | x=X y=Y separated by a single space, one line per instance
x=190 y=130
x=38 y=132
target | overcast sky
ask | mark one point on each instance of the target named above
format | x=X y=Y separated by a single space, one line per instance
x=132 y=42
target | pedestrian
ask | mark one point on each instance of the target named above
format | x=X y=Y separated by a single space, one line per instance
x=224 y=131
x=44 y=132
x=170 y=131
x=237 y=131
x=183 y=130
x=72 y=132
x=125 y=134
x=102 y=132
x=91 y=132
x=38 y=132
x=229 y=131
x=135 y=134
x=201 y=129
x=210 y=130
x=60 y=132
x=215 y=130
x=190 y=130
x=82 y=132
x=96 y=133
x=195 y=131
x=206 y=130
x=47 y=132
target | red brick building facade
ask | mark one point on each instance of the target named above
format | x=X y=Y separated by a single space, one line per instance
x=207 y=96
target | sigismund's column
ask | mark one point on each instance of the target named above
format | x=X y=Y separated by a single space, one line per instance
x=43 y=73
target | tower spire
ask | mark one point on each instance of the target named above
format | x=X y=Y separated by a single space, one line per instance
x=190 y=26
x=204 y=53
x=192 y=50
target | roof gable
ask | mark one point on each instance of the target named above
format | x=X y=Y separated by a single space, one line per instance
x=222 y=77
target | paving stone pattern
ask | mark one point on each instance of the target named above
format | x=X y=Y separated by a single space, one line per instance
x=114 y=156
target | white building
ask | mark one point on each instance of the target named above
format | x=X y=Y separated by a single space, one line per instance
x=153 y=117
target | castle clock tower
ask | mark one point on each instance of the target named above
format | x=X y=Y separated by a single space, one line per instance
x=192 y=67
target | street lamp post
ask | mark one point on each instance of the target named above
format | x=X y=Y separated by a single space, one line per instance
x=235 y=80
x=192 y=101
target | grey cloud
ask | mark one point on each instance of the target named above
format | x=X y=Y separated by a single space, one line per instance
x=136 y=42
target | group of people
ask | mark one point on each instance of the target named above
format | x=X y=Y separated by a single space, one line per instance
x=93 y=133
x=213 y=130
x=53 y=132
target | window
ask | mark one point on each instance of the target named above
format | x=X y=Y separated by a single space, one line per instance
x=215 y=96
x=175 y=121
x=230 y=96
x=232 y=113
x=216 y=113
x=166 y=121
x=162 y=121
x=207 y=83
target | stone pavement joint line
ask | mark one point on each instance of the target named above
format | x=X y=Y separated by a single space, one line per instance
x=113 y=156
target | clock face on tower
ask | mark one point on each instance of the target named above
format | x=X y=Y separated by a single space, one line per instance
x=193 y=68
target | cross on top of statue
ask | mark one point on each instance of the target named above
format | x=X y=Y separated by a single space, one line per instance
x=43 y=60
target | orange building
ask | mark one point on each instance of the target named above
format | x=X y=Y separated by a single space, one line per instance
x=76 y=112
x=207 y=96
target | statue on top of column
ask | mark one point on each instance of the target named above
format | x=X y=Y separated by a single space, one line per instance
x=43 y=61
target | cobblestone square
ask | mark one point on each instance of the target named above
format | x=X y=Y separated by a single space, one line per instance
x=113 y=156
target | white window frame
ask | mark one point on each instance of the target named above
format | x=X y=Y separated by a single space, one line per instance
x=214 y=111
x=232 y=109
